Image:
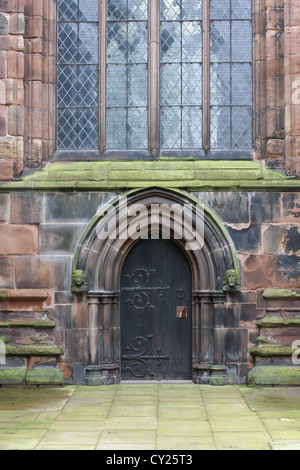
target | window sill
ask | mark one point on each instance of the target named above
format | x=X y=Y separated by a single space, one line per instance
x=95 y=155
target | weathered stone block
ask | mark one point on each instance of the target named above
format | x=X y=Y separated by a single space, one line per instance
x=231 y=207
x=43 y=272
x=62 y=207
x=59 y=239
x=287 y=271
x=7 y=272
x=282 y=240
x=4 y=207
x=246 y=239
x=27 y=208
x=265 y=207
x=18 y=240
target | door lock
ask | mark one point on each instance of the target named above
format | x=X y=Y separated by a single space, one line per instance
x=181 y=312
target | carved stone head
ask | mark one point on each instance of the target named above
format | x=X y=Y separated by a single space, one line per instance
x=78 y=281
x=231 y=281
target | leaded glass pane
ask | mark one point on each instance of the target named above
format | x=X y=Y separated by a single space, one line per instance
x=220 y=84
x=127 y=75
x=137 y=43
x=88 y=10
x=116 y=43
x=137 y=10
x=170 y=84
x=67 y=43
x=191 y=41
x=87 y=128
x=68 y=10
x=220 y=41
x=220 y=9
x=137 y=128
x=170 y=10
x=77 y=75
x=116 y=88
x=241 y=84
x=191 y=84
x=171 y=128
x=88 y=43
x=116 y=10
x=220 y=127
x=88 y=86
x=170 y=42
x=241 y=41
x=241 y=127
x=67 y=86
x=191 y=127
x=241 y=9
x=116 y=119
x=137 y=76
x=181 y=74
x=67 y=128
x=192 y=9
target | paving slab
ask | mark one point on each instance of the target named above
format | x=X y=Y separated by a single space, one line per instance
x=156 y=416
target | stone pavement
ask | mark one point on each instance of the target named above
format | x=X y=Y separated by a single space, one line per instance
x=150 y=417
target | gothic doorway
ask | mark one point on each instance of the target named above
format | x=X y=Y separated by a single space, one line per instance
x=156 y=313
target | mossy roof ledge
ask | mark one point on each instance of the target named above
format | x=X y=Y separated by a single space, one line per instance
x=183 y=174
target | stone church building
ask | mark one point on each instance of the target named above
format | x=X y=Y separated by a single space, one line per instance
x=149 y=191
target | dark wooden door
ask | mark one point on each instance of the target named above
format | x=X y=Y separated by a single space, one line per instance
x=156 y=313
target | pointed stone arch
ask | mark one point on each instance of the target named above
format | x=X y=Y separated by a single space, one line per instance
x=101 y=259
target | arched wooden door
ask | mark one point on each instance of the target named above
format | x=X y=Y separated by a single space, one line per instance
x=156 y=313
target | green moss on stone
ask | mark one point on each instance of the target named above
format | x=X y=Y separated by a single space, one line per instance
x=274 y=375
x=45 y=376
x=280 y=294
x=34 y=350
x=272 y=350
x=277 y=322
x=29 y=324
x=188 y=173
x=14 y=376
x=3 y=296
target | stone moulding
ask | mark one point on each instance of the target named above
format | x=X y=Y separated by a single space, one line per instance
x=185 y=174
x=272 y=350
x=280 y=294
x=277 y=322
x=34 y=323
x=274 y=375
x=47 y=350
x=20 y=376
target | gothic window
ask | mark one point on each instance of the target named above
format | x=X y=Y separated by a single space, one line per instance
x=154 y=76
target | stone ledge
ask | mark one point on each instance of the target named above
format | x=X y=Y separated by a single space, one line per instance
x=277 y=322
x=272 y=350
x=273 y=375
x=121 y=175
x=21 y=376
x=281 y=294
x=34 y=323
x=33 y=350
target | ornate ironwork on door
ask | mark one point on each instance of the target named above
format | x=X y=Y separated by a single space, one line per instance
x=141 y=290
x=155 y=339
x=141 y=363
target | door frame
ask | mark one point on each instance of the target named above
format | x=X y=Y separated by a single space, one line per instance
x=102 y=262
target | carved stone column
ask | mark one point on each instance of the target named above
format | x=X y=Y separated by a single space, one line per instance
x=104 y=339
x=202 y=336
